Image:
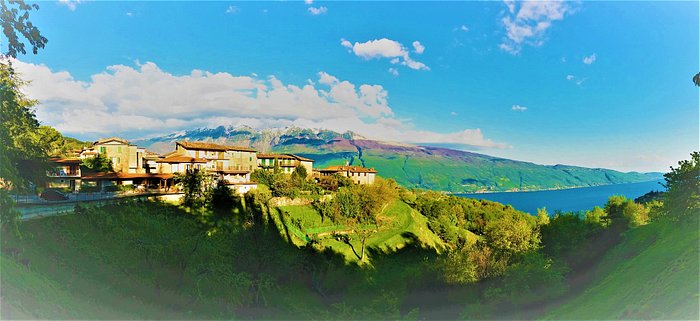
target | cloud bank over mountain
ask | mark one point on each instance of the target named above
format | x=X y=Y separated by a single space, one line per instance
x=141 y=100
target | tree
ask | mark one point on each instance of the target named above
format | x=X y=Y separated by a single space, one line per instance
x=17 y=117
x=14 y=19
x=98 y=164
x=623 y=212
x=22 y=154
x=511 y=235
x=300 y=172
x=262 y=176
x=195 y=185
x=222 y=196
x=542 y=216
x=533 y=279
x=696 y=79
x=683 y=185
x=596 y=216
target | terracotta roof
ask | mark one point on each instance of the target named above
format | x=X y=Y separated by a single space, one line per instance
x=173 y=153
x=211 y=146
x=96 y=176
x=69 y=160
x=273 y=156
x=116 y=139
x=304 y=159
x=181 y=159
x=352 y=169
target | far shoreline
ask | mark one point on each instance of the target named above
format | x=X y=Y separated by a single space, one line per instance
x=551 y=189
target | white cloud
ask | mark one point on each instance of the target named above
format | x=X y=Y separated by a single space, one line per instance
x=129 y=14
x=317 y=11
x=71 y=4
x=590 y=59
x=345 y=43
x=526 y=22
x=144 y=100
x=386 y=48
x=461 y=28
x=418 y=48
x=394 y=71
x=309 y=2
x=453 y=113
x=232 y=9
x=578 y=81
x=519 y=108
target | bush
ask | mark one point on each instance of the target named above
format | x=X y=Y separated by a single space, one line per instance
x=534 y=278
x=334 y=182
x=511 y=235
x=623 y=212
x=98 y=164
x=222 y=196
x=257 y=201
x=568 y=231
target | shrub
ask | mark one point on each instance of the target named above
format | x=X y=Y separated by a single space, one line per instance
x=222 y=196
x=533 y=279
x=98 y=164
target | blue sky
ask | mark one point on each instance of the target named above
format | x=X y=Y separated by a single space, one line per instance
x=597 y=84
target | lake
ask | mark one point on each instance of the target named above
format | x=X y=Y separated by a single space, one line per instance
x=573 y=199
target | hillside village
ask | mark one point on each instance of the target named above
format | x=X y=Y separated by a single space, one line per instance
x=136 y=167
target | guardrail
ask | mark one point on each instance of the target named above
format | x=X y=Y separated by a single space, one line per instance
x=50 y=208
x=21 y=200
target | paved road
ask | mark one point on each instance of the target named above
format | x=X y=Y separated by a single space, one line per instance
x=43 y=208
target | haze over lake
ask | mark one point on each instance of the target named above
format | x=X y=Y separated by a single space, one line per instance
x=574 y=199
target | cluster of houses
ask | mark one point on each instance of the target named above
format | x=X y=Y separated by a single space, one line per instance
x=140 y=168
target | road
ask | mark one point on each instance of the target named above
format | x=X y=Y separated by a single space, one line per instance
x=33 y=207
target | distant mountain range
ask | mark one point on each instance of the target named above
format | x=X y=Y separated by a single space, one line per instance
x=425 y=167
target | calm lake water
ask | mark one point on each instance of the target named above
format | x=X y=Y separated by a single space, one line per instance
x=574 y=199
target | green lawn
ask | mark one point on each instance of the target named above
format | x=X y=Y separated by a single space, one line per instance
x=652 y=274
x=399 y=225
x=145 y=260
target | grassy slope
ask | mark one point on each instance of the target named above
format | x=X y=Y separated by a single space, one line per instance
x=94 y=268
x=399 y=223
x=652 y=274
x=474 y=173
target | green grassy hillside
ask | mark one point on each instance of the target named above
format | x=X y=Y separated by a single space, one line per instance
x=399 y=226
x=153 y=261
x=652 y=274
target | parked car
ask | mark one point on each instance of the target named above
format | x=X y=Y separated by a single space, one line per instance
x=53 y=195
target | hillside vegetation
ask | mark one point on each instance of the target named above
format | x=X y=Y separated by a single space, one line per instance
x=652 y=274
x=411 y=166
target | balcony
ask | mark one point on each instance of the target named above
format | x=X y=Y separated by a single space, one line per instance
x=63 y=173
x=234 y=168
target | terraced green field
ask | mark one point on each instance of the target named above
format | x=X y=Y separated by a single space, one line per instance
x=399 y=225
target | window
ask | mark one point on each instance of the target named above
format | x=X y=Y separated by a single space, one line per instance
x=103 y=149
x=119 y=149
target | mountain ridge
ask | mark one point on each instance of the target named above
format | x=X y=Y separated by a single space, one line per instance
x=428 y=167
